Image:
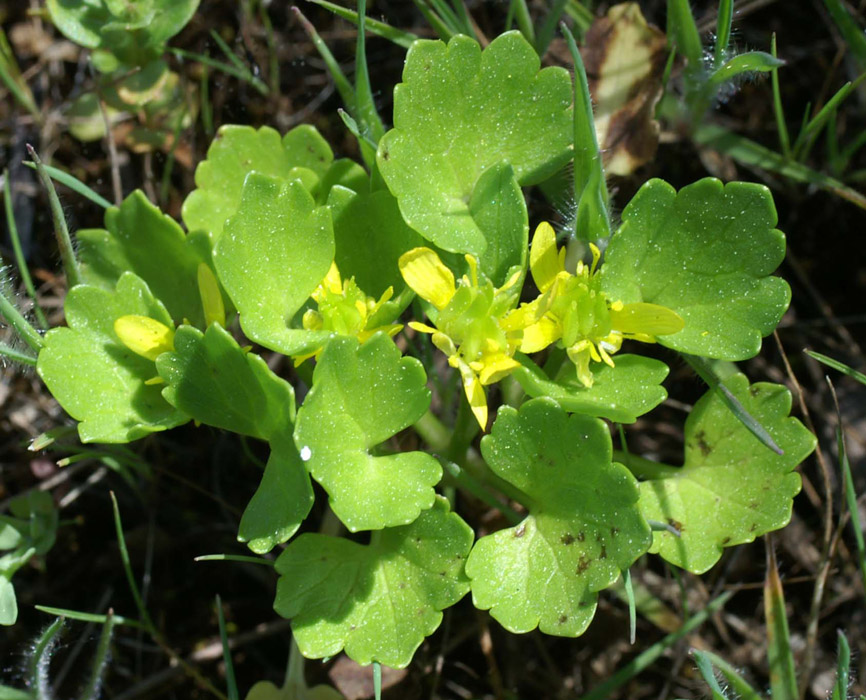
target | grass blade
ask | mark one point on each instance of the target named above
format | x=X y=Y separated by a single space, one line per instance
x=843 y=669
x=73 y=183
x=88 y=617
x=835 y=364
x=848 y=28
x=683 y=32
x=377 y=680
x=548 y=27
x=439 y=25
x=231 y=683
x=741 y=689
x=367 y=115
x=632 y=609
x=524 y=20
x=10 y=74
x=61 y=230
x=783 y=677
x=751 y=154
x=235 y=557
x=590 y=189
x=381 y=29
x=341 y=82
x=778 y=109
x=705 y=372
x=19 y=253
x=642 y=661
x=581 y=15
x=810 y=130
x=127 y=567
x=707 y=671
x=848 y=489
x=228 y=68
x=723 y=30
x=751 y=62
x=92 y=687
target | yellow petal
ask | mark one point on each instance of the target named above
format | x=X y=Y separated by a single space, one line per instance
x=474 y=394
x=539 y=335
x=646 y=319
x=421 y=327
x=497 y=367
x=211 y=297
x=544 y=260
x=579 y=354
x=427 y=276
x=144 y=336
x=332 y=281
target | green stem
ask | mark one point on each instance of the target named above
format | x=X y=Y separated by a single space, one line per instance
x=61 y=230
x=17 y=355
x=468 y=483
x=91 y=690
x=19 y=253
x=38 y=666
x=438 y=438
x=15 y=319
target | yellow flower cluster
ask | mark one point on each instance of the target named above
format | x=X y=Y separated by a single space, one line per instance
x=479 y=329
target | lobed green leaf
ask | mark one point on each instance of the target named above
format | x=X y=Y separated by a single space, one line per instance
x=215 y=381
x=301 y=155
x=273 y=253
x=139 y=238
x=362 y=396
x=583 y=528
x=460 y=112
x=378 y=601
x=731 y=488
x=620 y=393
x=95 y=377
x=281 y=502
x=707 y=252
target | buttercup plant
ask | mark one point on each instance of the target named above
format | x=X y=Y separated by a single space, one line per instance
x=365 y=272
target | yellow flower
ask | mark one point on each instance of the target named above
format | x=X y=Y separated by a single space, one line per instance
x=144 y=336
x=343 y=308
x=573 y=311
x=468 y=321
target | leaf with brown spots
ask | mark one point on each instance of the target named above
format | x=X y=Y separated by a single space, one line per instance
x=344 y=595
x=731 y=488
x=583 y=527
x=625 y=59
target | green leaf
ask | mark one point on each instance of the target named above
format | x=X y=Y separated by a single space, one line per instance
x=281 y=502
x=37 y=513
x=273 y=253
x=141 y=239
x=96 y=378
x=376 y=601
x=134 y=32
x=370 y=236
x=459 y=112
x=707 y=252
x=499 y=209
x=265 y=690
x=753 y=61
x=238 y=151
x=7 y=693
x=8 y=602
x=216 y=382
x=731 y=489
x=583 y=527
x=362 y=396
x=620 y=393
